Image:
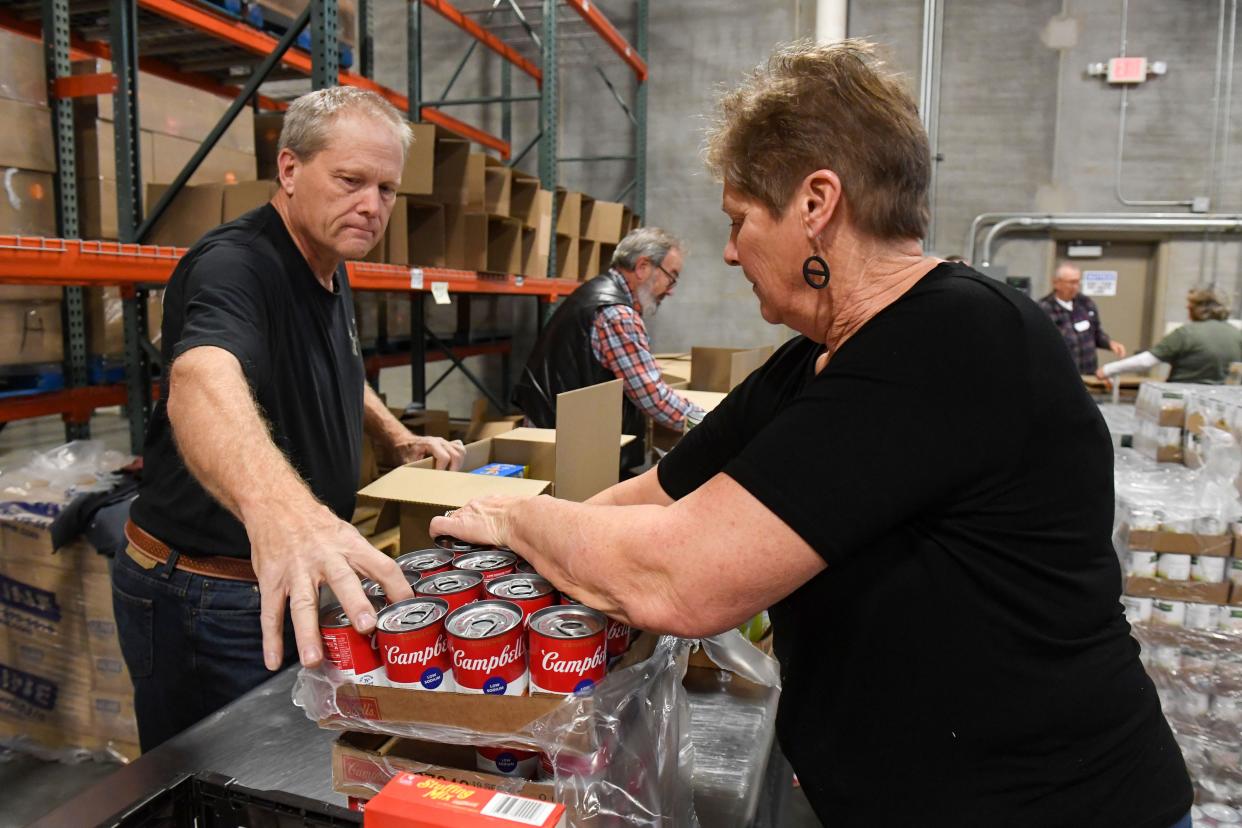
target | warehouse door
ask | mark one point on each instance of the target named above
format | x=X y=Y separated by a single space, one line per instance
x=1123 y=284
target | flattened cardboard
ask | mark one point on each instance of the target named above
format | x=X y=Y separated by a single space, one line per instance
x=1178 y=590
x=1182 y=543
x=706 y=400
x=587 y=460
x=568 y=212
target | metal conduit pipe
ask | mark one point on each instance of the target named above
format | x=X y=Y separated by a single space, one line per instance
x=971 y=248
x=1221 y=223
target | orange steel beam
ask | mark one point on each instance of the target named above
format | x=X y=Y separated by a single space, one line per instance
x=453 y=15
x=74 y=405
x=83 y=49
x=257 y=42
x=84 y=86
x=31 y=260
x=596 y=20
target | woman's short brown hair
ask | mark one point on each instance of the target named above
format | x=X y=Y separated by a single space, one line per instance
x=1206 y=303
x=833 y=107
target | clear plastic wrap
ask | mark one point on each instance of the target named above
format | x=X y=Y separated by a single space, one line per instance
x=621 y=756
x=34 y=486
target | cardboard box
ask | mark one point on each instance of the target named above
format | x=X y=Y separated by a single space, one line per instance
x=722 y=369
x=581 y=457
x=29 y=293
x=524 y=203
x=22 y=76
x=497 y=187
x=426 y=233
x=95 y=142
x=1182 y=543
x=452 y=160
x=222 y=164
x=589 y=265
x=568 y=212
x=367 y=315
x=105 y=320
x=537 y=240
x=200 y=208
x=566 y=257
x=267 y=127
x=28 y=207
x=416 y=800
x=587 y=206
x=504 y=244
x=465 y=239
x=1178 y=590
x=418 y=177
x=396 y=316
x=606 y=251
x=30 y=333
x=604 y=221
x=362 y=763
x=26 y=136
x=476 y=183
x=394 y=246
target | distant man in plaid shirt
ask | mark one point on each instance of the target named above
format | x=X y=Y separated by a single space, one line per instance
x=1078 y=319
x=598 y=334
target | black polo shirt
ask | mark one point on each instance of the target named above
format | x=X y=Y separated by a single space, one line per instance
x=245 y=287
x=964 y=659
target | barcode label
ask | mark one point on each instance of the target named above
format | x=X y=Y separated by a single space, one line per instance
x=518 y=809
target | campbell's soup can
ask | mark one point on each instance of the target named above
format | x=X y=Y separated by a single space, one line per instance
x=526 y=566
x=458 y=547
x=424 y=562
x=504 y=761
x=375 y=589
x=1173 y=567
x=490 y=563
x=568 y=649
x=489 y=648
x=530 y=592
x=348 y=650
x=1170 y=613
x=1201 y=616
x=456 y=587
x=1209 y=569
x=1143 y=563
x=1167 y=656
x=1229 y=619
x=1227 y=708
x=412 y=644
x=617 y=636
x=1138 y=609
x=1235 y=572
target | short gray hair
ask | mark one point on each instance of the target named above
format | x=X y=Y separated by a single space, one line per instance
x=652 y=242
x=309 y=118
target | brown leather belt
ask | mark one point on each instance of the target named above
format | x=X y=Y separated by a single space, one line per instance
x=211 y=566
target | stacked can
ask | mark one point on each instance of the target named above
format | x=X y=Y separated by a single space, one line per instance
x=458 y=547
x=424 y=562
x=490 y=563
x=1173 y=566
x=413 y=646
x=1138 y=608
x=530 y=592
x=348 y=650
x=375 y=589
x=489 y=648
x=568 y=650
x=504 y=761
x=456 y=587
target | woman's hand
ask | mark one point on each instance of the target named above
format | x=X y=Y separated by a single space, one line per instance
x=487 y=520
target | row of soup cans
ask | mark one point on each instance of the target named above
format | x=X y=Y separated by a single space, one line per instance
x=481 y=621
x=1172 y=566
x=1189 y=614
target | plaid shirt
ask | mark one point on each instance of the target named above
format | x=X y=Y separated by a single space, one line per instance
x=619 y=341
x=1080 y=328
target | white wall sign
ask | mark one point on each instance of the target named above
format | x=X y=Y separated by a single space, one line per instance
x=1099 y=283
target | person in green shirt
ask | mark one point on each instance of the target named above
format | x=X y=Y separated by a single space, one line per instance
x=1199 y=351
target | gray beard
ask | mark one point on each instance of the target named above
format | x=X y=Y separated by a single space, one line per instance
x=646 y=298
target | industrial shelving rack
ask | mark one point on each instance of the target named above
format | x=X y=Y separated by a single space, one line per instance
x=199 y=44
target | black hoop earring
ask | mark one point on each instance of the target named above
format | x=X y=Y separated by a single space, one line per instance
x=813 y=270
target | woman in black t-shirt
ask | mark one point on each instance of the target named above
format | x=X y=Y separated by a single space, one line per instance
x=918 y=487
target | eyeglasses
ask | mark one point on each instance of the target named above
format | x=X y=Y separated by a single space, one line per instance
x=672 y=280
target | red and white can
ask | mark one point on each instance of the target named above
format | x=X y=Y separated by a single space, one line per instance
x=582 y=765
x=413 y=646
x=491 y=563
x=526 y=566
x=503 y=761
x=455 y=586
x=348 y=650
x=530 y=592
x=458 y=547
x=375 y=589
x=424 y=562
x=617 y=635
x=568 y=650
x=489 y=648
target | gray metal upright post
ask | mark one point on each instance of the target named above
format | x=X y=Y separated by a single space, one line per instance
x=550 y=95
x=56 y=63
x=640 y=115
x=124 y=43
x=366 y=38
x=506 y=105
x=414 y=33
x=325 y=45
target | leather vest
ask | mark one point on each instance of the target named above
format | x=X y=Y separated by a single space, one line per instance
x=563 y=361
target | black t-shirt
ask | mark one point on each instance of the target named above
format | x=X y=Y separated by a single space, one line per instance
x=964 y=659
x=246 y=288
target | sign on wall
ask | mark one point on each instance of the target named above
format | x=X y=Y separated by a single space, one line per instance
x=1099 y=283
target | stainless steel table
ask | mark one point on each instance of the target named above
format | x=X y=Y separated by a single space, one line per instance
x=266 y=743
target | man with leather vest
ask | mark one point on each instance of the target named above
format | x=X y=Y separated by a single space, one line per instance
x=598 y=334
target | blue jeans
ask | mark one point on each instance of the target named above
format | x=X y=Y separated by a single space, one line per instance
x=192 y=643
x=1184 y=822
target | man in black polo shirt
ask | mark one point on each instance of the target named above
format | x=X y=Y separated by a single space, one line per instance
x=252 y=454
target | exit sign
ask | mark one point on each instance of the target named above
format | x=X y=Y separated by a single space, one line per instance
x=1127 y=70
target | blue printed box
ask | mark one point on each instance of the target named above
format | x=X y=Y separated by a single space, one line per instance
x=501 y=470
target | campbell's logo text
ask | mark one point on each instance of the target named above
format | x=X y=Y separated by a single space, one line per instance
x=393 y=654
x=552 y=662
x=617 y=630
x=511 y=653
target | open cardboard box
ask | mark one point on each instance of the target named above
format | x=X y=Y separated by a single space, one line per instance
x=723 y=369
x=582 y=456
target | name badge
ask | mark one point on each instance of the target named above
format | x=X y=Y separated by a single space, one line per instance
x=1083 y=326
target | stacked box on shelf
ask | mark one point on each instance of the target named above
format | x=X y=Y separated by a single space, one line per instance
x=64 y=679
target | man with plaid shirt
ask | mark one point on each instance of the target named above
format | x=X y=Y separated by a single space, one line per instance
x=598 y=334
x=1078 y=319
